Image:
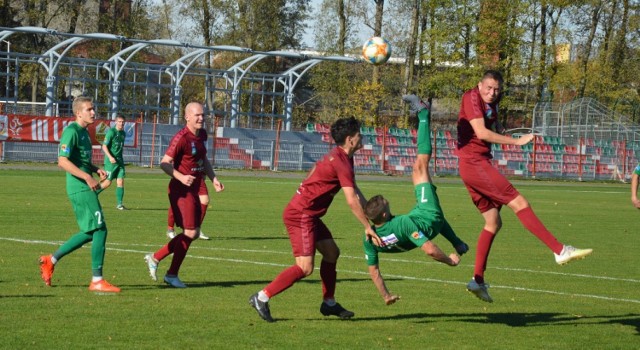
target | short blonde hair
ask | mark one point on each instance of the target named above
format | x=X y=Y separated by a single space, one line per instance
x=79 y=101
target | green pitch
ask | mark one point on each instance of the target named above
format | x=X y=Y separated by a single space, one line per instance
x=588 y=304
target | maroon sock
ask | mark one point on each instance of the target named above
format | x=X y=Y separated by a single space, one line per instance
x=328 y=275
x=203 y=212
x=180 y=251
x=170 y=220
x=531 y=222
x=482 y=254
x=284 y=280
x=166 y=249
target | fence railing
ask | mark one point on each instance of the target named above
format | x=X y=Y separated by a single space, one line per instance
x=386 y=150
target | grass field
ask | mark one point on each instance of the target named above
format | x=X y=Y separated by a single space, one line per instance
x=593 y=303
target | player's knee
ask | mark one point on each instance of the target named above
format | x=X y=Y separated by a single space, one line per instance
x=308 y=271
x=421 y=163
x=493 y=227
x=331 y=255
x=307 y=268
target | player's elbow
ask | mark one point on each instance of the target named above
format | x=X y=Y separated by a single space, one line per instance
x=483 y=134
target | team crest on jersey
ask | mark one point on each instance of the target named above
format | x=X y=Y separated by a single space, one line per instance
x=417 y=235
x=64 y=149
x=193 y=148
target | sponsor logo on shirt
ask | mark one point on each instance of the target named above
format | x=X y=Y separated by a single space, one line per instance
x=199 y=168
x=390 y=239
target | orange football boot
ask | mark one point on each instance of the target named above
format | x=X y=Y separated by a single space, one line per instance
x=103 y=286
x=46 y=269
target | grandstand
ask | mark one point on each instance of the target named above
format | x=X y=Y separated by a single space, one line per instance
x=578 y=141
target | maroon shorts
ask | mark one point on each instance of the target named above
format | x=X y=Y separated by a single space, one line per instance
x=202 y=190
x=487 y=186
x=304 y=231
x=185 y=205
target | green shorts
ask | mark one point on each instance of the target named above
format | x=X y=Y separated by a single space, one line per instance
x=427 y=214
x=88 y=211
x=114 y=171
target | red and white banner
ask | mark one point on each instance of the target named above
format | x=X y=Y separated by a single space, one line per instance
x=49 y=129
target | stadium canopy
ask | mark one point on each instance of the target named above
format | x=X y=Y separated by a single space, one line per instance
x=177 y=70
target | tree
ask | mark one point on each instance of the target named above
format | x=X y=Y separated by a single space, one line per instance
x=591 y=27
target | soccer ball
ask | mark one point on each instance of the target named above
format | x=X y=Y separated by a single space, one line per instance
x=376 y=50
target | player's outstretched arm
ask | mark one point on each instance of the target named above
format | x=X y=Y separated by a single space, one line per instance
x=376 y=277
x=485 y=134
x=437 y=254
x=353 y=200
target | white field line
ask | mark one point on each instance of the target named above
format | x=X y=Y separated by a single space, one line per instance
x=254 y=262
x=532 y=188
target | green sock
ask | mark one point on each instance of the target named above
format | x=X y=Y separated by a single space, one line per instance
x=76 y=241
x=97 y=251
x=119 y=194
x=424 y=132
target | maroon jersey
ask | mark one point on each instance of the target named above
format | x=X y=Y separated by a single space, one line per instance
x=329 y=175
x=473 y=107
x=188 y=152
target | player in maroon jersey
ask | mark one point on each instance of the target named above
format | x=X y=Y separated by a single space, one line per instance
x=186 y=162
x=307 y=232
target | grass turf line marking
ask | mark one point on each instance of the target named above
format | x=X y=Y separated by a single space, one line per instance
x=422 y=279
x=155 y=246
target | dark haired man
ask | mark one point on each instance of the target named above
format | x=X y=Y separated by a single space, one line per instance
x=303 y=220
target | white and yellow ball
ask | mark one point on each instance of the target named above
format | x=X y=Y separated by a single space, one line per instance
x=376 y=50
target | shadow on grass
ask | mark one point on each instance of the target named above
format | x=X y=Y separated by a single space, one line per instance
x=27 y=296
x=517 y=319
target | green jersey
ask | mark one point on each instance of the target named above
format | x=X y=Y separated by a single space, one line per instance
x=406 y=232
x=114 y=140
x=75 y=144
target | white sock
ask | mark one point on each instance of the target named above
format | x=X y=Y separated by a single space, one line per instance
x=330 y=302
x=262 y=296
x=95 y=279
x=54 y=260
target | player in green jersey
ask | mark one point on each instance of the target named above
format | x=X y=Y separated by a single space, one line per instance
x=112 y=146
x=634 y=187
x=423 y=223
x=74 y=156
